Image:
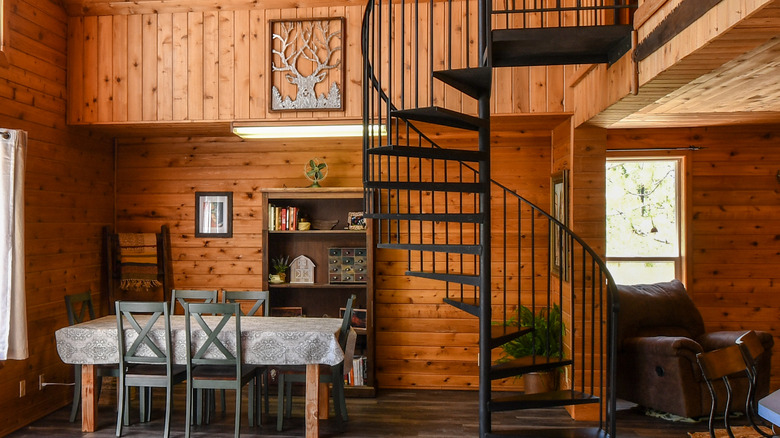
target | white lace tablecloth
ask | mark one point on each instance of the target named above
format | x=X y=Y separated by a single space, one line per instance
x=264 y=340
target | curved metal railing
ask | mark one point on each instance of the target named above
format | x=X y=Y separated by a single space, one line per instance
x=536 y=259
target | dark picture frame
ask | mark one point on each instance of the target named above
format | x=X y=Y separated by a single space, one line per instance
x=213 y=214
x=559 y=209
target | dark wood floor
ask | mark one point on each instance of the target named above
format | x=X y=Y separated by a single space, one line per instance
x=393 y=413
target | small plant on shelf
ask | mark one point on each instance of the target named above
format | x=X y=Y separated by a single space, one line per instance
x=280 y=265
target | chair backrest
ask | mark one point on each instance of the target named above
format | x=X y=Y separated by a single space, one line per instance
x=86 y=309
x=214 y=349
x=344 y=333
x=751 y=347
x=258 y=299
x=720 y=364
x=147 y=343
x=658 y=309
x=183 y=296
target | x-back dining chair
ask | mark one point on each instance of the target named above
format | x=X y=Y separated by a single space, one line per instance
x=258 y=299
x=179 y=297
x=80 y=309
x=334 y=377
x=210 y=363
x=258 y=303
x=145 y=354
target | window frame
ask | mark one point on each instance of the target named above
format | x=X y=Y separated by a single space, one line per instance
x=4 y=61
x=681 y=261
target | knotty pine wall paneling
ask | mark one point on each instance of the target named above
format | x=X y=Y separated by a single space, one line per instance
x=734 y=228
x=422 y=342
x=169 y=66
x=68 y=199
x=157 y=178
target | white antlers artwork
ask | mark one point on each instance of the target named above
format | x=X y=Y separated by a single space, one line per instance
x=312 y=41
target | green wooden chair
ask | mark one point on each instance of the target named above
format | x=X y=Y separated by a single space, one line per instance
x=180 y=297
x=183 y=296
x=206 y=369
x=334 y=376
x=80 y=309
x=257 y=299
x=148 y=359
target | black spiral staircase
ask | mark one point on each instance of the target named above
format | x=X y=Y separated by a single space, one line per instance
x=493 y=249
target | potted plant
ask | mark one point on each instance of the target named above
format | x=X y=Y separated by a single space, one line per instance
x=279 y=265
x=544 y=340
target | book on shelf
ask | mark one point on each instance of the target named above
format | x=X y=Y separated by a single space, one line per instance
x=358 y=374
x=282 y=218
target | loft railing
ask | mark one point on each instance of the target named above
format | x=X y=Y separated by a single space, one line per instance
x=513 y=14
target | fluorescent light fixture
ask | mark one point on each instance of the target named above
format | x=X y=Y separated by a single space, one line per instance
x=304 y=131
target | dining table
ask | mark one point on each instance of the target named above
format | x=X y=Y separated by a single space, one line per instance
x=274 y=341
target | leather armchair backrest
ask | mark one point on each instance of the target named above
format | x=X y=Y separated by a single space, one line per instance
x=658 y=309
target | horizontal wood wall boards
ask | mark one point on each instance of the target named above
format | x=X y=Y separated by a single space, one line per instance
x=735 y=197
x=68 y=199
x=420 y=341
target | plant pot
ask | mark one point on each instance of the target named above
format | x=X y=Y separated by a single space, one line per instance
x=543 y=381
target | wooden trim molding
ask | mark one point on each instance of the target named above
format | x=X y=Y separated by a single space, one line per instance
x=685 y=14
x=644 y=12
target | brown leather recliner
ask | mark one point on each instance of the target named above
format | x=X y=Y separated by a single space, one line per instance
x=659 y=333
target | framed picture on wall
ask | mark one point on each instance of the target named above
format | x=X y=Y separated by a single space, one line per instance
x=213 y=214
x=559 y=209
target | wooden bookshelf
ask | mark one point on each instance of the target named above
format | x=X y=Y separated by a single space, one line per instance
x=322 y=297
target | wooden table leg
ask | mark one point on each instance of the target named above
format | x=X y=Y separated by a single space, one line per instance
x=312 y=400
x=324 y=401
x=88 y=398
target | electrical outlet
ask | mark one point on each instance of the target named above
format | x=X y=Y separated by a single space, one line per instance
x=40 y=382
x=22 y=388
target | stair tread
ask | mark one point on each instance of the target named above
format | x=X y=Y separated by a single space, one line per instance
x=501 y=334
x=452 y=187
x=475 y=82
x=559 y=45
x=552 y=398
x=429 y=152
x=469 y=279
x=468 y=305
x=431 y=217
x=441 y=116
x=459 y=249
x=524 y=365
x=541 y=400
x=582 y=432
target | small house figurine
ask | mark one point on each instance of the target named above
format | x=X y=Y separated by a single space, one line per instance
x=302 y=270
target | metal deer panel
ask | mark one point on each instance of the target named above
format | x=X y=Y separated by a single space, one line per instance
x=307 y=64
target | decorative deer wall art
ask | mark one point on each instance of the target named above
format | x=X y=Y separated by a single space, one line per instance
x=307 y=53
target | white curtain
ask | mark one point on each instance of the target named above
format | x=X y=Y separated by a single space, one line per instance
x=13 y=309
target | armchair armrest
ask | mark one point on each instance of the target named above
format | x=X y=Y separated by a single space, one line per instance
x=662 y=346
x=714 y=340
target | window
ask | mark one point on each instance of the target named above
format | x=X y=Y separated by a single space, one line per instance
x=643 y=220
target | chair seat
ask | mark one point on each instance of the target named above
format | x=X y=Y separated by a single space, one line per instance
x=221 y=372
x=152 y=371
